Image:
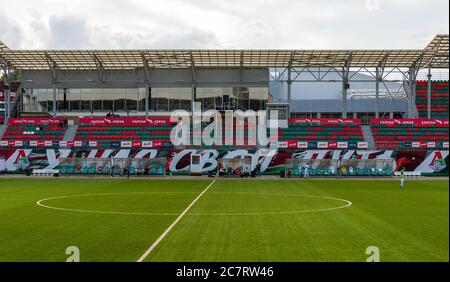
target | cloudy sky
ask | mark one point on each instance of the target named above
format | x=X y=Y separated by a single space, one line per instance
x=260 y=24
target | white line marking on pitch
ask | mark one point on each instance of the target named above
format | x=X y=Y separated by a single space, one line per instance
x=152 y=247
x=41 y=203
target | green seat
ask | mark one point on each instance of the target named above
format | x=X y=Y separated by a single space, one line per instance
x=116 y=170
x=92 y=170
x=85 y=170
x=107 y=170
x=63 y=170
x=70 y=169
x=161 y=171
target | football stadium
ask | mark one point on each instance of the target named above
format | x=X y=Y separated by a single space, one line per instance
x=208 y=155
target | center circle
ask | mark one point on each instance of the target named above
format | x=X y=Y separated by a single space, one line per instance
x=215 y=203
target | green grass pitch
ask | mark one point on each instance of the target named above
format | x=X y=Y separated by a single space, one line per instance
x=235 y=220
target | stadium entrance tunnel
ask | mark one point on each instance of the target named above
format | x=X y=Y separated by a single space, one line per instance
x=211 y=204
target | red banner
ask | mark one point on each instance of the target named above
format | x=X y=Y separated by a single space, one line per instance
x=157 y=121
x=325 y=120
x=415 y=122
x=36 y=121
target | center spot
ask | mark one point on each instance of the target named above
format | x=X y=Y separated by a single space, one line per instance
x=211 y=204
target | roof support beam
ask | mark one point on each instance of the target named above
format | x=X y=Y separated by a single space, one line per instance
x=289 y=82
x=412 y=75
x=146 y=84
x=146 y=69
x=52 y=67
x=100 y=68
x=429 y=86
x=194 y=78
x=241 y=65
x=345 y=83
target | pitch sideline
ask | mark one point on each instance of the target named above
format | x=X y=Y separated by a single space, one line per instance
x=164 y=234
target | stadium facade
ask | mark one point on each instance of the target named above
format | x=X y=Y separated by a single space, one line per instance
x=79 y=108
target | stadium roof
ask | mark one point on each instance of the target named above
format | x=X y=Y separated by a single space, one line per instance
x=435 y=55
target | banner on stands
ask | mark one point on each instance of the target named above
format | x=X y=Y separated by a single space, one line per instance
x=126 y=121
x=415 y=122
x=125 y=144
x=92 y=143
x=302 y=145
x=325 y=120
x=50 y=121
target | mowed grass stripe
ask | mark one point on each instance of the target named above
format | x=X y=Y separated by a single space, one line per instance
x=32 y=233
x=172 y=225
x=407 y=225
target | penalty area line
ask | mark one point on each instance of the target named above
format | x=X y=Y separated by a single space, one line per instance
x=153 y=246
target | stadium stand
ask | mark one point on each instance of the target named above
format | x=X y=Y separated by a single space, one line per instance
x=124 y=132
x=322 y=130
x=249 y=139
x=439 y=99
x=12 y=98
x=2 y=102
x=410 y=133
x=35 y=129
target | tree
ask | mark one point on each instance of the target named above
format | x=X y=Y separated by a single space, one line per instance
x=14 y=76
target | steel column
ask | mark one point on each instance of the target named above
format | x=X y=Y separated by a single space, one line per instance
x=289 y=90
x=147 y=94
x=377 y=93
x=7 y=104
x=54 y=99
x=429 y=93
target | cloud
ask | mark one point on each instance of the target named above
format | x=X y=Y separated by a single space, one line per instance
x=259 y=24
x=68 y=32
x=10 y=32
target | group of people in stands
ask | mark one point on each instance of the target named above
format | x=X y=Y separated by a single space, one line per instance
x=244 y=171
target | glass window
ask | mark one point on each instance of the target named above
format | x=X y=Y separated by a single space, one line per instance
x=97 y=99
x=85 y=95
x=108 y=99
x=42 y=98
x=162 y=104
x=131 y=95
x=141 y=100
x=119 y=100
x=74 y=100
